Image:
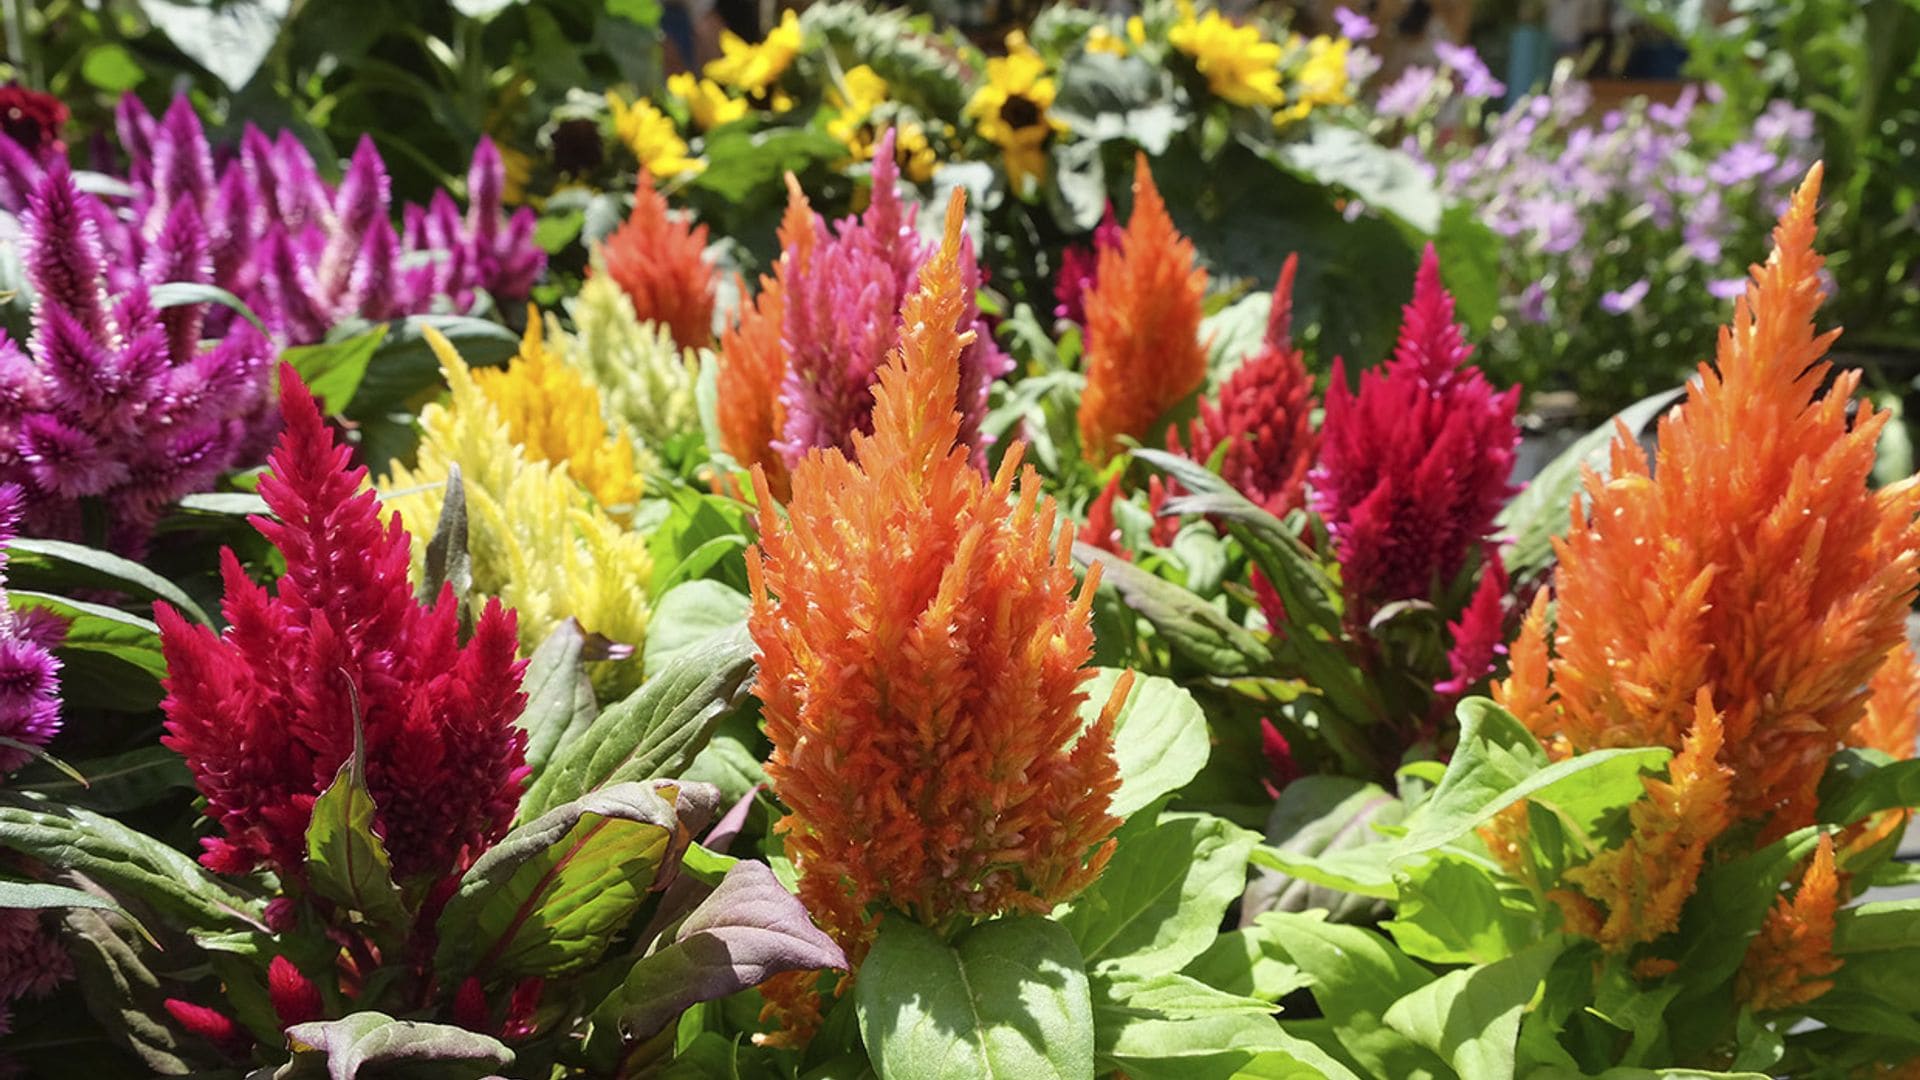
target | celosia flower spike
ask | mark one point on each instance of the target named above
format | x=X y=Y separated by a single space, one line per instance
x=1413 y=469
x=29 y=673
x=659 y=261
x=752 y=366
x=1264 y=413
x=921 y=673
x=1791 y=960
x=265 y=713
x=1144 y=353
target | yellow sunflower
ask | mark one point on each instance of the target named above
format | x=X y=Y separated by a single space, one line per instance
x=754 y=69
x=650 y=134
x=1010 y=111
x=1240 y=65
x=706 y=100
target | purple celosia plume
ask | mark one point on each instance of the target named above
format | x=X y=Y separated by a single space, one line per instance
x=845 y=286
x=1413 y=468
x=304 y=254
x=115 y=404
x=29 y=672
x=1079 y=268
x=32 y=960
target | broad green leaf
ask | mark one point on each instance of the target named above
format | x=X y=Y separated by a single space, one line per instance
x=56 y=563
x=655 y=731
x=1321 y=818
x=1249 y=963
x=97 y=628
x=333 y=370
x=346 y=862
x=1357 y=977
x=1471 y=1017
x=693 y=522
x=1498 y=763
x=1364 y=871
x=550 y=896
x=1159 y=737
x=381 y=1045
x=230 y=40
x=1540 y=512
x=1007 y=999
x=1160 y=900
x=560 y=702
x=1235 y=333
x=403 y=364
x=1456 y=910
x=182 y=293
x=1876 y=927
x=1342 y=156
x=114 y=784
x=134 y=868
x=41 y=895
x=688 y=614
x=122 y=995
x=1194 y=628
x=1857 y=786
x=1172 y=1027
x=747 y=930
x=225 y=503
x=1557 y=1073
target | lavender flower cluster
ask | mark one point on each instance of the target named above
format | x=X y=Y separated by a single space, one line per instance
x=303 y=253
x=1619 y=228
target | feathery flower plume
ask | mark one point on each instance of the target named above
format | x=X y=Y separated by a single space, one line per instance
x=29 y=672
x=555 y=415
x=922 y=661
x=1144 y=352
x=844 y=289
x=1791 y=960
x=645 y=379
x=1891 y=723
x=1079 y=269
x=1760 y=570
x=1413 y=469
x=1264 y=414
x=752 y=367
x=265 y=713
x=115 y=403
x=537 y=539
x=1479 y=635
x=658 y=259
x=33 y=960
x=1739 y=603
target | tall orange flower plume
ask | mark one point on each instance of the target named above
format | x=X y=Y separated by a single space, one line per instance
x=659 y=261
x=1753 y=563
x=752 y=365
x=1892 y=721
x=922 y=663
x=1144 y=352
x=1791 y=960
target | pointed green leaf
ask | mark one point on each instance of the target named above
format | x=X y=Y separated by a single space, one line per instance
x=346 y=862
x=448 y=562
x=1160 y=900
x=1007 y=1000
x=1194 y=628
x=1471 y=1017
x=382 y=1046
x=58 y=564
x=1172 y=1027
x=688 y=614
x=560 y=701
x=333 y=370
x=1357 y=977
x=1159 y=737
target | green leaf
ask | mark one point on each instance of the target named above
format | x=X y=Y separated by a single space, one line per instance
x=1235 y=333
x=560 y=703
x=1320 y=818
x=448 y=562
x=1456 y=910
x=1340 y=156
x=1876 y=927
x=550 y=896
x=1008 y=999
x=743 y=164
x=1160 y=900
x=182 y=293
x=1159 y=737
x=655 y=731
x=57 y=563
x=1498 y=763
x=40 y=896
x=110 y=67
x=1357 y=977
x=1730 y=901
x=1539 y=512
x=334 y=370
x=1172 y=1027
x=688 y=615
x=230 y=40
x=404 y=365
x=1857 y=787
x=226 y=503
x=97 y=628
x=129 y=865
x=122 y=995
x=382 y=1046
x=114 y=784
x=1194 y=628
x=346 y=862
x=1471 y=1017
x=1248 y=963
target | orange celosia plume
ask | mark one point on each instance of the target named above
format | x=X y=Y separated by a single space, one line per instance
x=658 y=260
x=1791 y=960
x=1753 y=563
x=751 y=365
x=922 y=655
x=1144 y=352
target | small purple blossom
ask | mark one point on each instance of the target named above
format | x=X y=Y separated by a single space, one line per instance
x=1727 y=288
x=1741 y=162
x=1621 y=301
x=1406 y=96
x=1354 y=25
x=1464 y=61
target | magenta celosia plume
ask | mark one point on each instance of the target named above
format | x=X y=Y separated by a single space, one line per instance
x=304 y=254
x=29 y=673
x=1080 y=268
x=1415 y=466
x=265 y=713
x=115 y=405
x=845 y=286
x=1264 y=415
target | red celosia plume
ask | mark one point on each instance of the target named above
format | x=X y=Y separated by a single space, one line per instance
x=922 y=666
x=1413 y=469
x=1144 y=352
x=659 y=261
x=265 y=713
x=1264 y=413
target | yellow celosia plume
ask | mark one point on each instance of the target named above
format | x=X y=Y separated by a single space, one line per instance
x=646 y=381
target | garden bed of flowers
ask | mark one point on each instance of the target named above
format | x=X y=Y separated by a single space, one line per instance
x=1157 y=549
